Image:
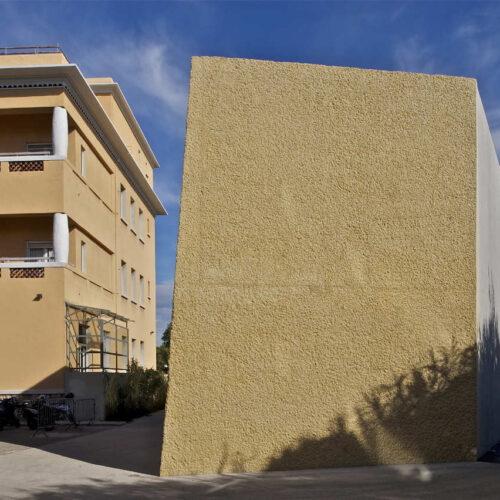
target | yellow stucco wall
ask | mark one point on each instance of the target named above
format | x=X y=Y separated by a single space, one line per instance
x=324 y=303
x=32 y=332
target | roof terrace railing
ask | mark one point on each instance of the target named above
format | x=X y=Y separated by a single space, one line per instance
x=47 y=49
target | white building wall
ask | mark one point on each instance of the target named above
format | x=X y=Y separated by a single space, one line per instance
x=488 y=285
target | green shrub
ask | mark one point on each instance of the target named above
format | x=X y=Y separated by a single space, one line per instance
x=135 y=393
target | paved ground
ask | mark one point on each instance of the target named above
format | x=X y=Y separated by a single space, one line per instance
x=128 y=457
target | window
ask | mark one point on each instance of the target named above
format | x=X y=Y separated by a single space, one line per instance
x=40 y=148
x=40 y=250
x=124 y=278
x=124 y=353
x=83 y=163
x=142 y=353
x=82 y=355
x=84 y=257
x=106 y=351
x=141 y=290
x=132 y=285
x=149 y=290
x=134 y=349
x=123 y=203
x=139 y=158
x=132 y=214
x=141 y=224
x=147 y=226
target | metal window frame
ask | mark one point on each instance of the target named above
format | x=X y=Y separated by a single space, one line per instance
x=95 y=353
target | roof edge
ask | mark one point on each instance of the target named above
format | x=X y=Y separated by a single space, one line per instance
x=114 y=89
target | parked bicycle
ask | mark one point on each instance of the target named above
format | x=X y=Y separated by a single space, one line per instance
x=8 y=413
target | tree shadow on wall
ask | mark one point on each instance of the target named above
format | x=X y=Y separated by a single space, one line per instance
x=427 y=415
x=488 y=387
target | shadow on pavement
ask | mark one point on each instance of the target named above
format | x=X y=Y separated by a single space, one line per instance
x=135 y=446
x=444 y=481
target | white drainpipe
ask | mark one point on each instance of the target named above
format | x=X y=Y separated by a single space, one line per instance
x=60 y=238
x=60 y=132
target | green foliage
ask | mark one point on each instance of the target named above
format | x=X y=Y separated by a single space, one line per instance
x=166 y=335
x=135 y=393
x=163 y=351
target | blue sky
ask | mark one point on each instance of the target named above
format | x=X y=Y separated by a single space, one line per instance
x=147 y=46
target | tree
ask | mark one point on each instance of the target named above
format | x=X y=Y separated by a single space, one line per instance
x=166 y=335
x=163 y=350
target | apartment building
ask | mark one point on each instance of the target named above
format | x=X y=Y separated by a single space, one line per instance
x=77 y=225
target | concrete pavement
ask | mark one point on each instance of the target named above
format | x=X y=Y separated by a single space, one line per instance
x=121 y=462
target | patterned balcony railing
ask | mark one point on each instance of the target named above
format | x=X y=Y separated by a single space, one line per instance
x=26 y=166
x=27 y=267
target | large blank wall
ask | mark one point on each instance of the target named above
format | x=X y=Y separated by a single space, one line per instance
x=324 y=303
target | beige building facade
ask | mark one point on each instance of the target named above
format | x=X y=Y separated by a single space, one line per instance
x=337 y=276
x=77 y=226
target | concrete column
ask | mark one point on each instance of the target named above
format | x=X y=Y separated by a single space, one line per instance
x=60 y=132
x=60 y=238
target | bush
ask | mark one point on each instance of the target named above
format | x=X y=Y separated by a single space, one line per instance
x=135 y=393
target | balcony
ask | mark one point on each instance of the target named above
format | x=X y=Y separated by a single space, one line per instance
x=36 y=136
x=45 y=240
x=27 y=267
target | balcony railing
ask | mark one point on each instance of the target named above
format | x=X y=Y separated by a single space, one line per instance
x=29 y=262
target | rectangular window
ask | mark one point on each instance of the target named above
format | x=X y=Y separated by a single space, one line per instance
x=141 y=224
x=83 y=163
x=132 y=214
x=132 y=285
x=106 y=351
x=84 y=257
x=141 y=290
x=123 y=203
x=124 y=278
x=149 y=289
x=124 y=356
x=134 y=349
x=147 y=226
x=82 y=355
x=40 y=250
x=142 y=353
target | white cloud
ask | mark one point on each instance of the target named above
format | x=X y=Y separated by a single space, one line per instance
x=152 y=70
x=164 y=294
x=169 y=192
x=466 y=30
x=412 y=55
x=144 y=66
x=480 y=44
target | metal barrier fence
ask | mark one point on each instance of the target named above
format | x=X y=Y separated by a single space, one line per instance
x=43 y=414
x=73 y=411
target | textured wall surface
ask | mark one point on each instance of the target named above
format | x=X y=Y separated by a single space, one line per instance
x=488 y=285
x=324 y=303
